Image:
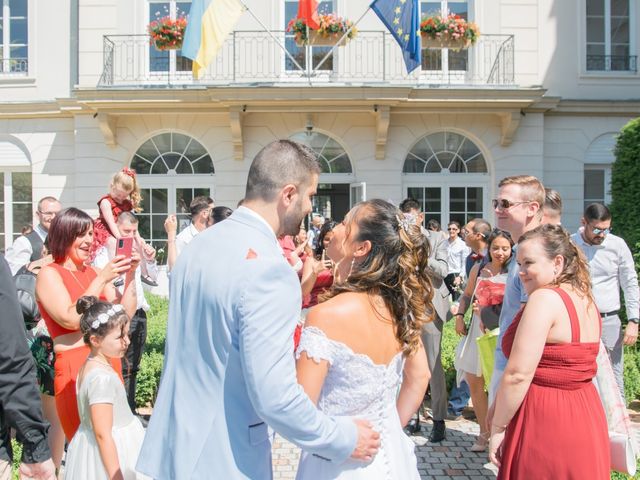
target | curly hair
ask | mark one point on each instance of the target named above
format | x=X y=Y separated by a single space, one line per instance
x=556 y=241
x=395 y=268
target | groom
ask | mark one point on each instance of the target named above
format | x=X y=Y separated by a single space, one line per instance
x=229 y=369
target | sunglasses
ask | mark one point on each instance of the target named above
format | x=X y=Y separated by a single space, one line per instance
x=452 y=229
x=504 y=204
x=600 y=231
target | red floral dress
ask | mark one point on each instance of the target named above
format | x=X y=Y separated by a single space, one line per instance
x=101 y=230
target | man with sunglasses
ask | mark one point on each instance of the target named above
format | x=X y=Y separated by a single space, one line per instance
x=612 y=268
x=518 y=209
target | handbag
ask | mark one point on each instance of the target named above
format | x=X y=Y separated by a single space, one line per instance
x=487 y=344
x=623 y=448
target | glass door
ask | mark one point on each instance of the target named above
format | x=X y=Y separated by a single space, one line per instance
x=448 y=203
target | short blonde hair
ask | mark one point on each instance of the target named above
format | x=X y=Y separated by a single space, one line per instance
x=532 y=188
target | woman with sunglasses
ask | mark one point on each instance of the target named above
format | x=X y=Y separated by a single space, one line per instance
x=487 y=280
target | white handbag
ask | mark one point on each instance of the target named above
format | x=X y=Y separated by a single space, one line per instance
x=623 y=458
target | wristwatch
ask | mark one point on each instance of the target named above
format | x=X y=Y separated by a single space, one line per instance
x=634 y=320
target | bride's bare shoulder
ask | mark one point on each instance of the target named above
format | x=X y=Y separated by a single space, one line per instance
x=331 y=314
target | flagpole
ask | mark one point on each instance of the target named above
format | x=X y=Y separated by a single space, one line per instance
x=282 y=46
x=341 y=39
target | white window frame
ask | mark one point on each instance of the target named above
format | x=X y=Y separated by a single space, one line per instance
x=295 y=75
x=634 y=25
x=606 y=168
x=453 y=76
x=8 y=202
x=445 y=181
x=183 y=76
x=5 y=39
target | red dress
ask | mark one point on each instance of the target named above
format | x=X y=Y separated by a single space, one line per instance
x=560 y=430
x=101 y=231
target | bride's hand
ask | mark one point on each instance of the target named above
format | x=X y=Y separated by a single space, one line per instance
x=368 y=441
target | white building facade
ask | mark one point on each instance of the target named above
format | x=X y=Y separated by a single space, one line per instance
x=82 y=94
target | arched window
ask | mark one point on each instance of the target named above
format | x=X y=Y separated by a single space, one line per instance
x=173 y=169
x=172 y=153
x=447 y=174
x=445 y=152
x=332 y=157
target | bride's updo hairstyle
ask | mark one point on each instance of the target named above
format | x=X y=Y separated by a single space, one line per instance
x=98 y=318
x=395 y=268
x=556 y=241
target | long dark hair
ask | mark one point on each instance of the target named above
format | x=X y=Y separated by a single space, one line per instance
x=497 y=233
x=324 y=230
x=396 y=268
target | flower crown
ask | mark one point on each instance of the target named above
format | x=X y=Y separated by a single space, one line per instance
x=405 y=221
x=104 y=317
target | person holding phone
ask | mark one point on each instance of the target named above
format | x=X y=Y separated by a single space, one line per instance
x=59 y=285
x=129 y=243
x=317 y=272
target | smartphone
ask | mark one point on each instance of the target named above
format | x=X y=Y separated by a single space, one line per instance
x=124 y=246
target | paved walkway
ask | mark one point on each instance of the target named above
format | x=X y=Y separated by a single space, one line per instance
x=448 y=459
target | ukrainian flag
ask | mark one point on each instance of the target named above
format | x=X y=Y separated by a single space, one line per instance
x=210 y=21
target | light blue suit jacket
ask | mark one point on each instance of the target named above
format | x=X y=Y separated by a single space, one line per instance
x=229 y=366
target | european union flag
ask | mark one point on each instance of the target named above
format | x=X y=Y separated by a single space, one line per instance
x=402 y=20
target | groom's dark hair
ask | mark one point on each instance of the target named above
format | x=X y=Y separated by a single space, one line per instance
x=280 y=163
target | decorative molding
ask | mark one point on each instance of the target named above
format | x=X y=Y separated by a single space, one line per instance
x=510 y=122
x=383 y=116
x=107 y=125
x=235 y=122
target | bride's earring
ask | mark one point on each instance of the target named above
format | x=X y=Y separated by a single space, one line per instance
x=353 y=261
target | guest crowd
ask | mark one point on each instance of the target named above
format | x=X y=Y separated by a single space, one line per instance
x=542 y=300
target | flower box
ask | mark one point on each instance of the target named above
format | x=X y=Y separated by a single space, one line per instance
x=332 y=29
x=319 y=39
x=444 y=42
x=451 y=31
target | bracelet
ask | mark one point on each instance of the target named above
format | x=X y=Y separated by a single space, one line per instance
x=459 y=314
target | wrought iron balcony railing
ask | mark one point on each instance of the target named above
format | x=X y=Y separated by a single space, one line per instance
x=14 y=66
x=612 y=63
x=256 y=58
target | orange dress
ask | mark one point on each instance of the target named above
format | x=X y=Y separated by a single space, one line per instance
x=560 y=430
x=68 y=362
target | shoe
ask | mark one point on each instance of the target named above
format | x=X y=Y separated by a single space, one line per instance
x=413 y=426
x=454 y=417
x=438 y=431
x=148 y=281
x=482 y=442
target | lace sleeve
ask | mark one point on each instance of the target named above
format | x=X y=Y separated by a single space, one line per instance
x=316 y=344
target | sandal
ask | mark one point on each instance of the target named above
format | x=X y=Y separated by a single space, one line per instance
x=482 y=442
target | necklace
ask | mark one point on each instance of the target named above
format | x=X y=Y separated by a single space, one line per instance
x=73 y=275
x=98 y=360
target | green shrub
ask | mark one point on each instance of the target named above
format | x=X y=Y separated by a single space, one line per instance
x=625 y=184
x=153 y=358
x=149 y=378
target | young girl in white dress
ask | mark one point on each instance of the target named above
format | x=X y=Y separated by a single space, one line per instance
x=108 y=441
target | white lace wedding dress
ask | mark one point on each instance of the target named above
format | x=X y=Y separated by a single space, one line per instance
x=356 y=387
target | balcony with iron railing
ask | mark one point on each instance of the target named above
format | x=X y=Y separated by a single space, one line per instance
x=612 y=63
x=261 y=58
x=14 y=66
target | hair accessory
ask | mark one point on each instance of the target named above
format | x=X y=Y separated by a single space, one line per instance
x=104 y=317
x=129 y=172
x=405 y=221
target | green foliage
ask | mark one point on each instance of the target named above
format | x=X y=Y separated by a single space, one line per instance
x=625 y=183
x=17 y=454
x=153 y=357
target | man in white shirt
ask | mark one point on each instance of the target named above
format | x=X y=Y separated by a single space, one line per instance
x=314 y=230
x=612 y=268
x=458 y=252
x=28 y=248
x=200 y=210
x=128 y=228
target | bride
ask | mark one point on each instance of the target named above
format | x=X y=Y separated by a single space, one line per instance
x=360 y=354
